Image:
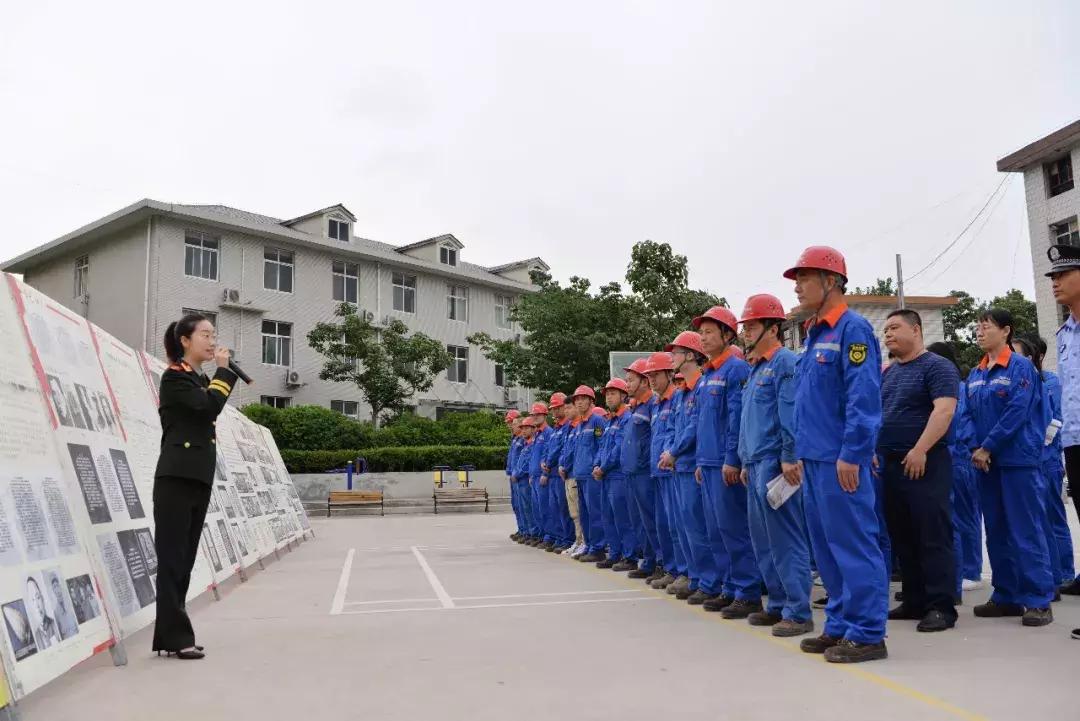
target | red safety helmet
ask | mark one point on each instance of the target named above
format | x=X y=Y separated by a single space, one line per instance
x=618 y=384
x=539 y=407
x=659 y=361
x=762 y=307
x=819 y=257
x=598 y=411
x=639 y=366
x=558 y=400
x=584 y=391
x=528 y=421
x=512 y=414
x=686 y=339
x=719 y=314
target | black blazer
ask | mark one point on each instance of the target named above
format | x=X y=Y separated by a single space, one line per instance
x=189 y=407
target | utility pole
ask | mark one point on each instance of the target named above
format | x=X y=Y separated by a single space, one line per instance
x=899 y=282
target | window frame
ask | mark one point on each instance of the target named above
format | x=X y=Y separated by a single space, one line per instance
x=453 y=301
x=279 y=402
x=503 y=309
x=500 y=370
x=81 y=279
x=1063 y=186
x=1071 y=236
x=347 y=225
x=278 y=338
x=455 y=362
x=405 y=288
x=345 y=277
x=213 y=252
x=342 y=403
x=451 y=254
x=279 y=263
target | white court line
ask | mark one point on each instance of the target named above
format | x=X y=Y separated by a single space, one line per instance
x=444 y=597
x=393 y=600
x=541 y=595
x=505 y=605
x=342 y=585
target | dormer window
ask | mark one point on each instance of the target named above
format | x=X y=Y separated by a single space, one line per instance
x=447 y=255
x=339 y=229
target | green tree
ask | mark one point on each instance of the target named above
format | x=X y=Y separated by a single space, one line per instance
x=882 y=286
x=1022 y=309
x=387 y=365
x=959 y=319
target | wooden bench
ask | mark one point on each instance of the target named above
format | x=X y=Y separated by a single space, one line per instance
x=355 y=499
x=460 y=496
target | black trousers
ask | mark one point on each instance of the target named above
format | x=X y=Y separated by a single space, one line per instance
x=179 y=511
x=919 y=516
x=1072 y=470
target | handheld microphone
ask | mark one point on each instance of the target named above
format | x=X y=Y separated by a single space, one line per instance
x=239 y=372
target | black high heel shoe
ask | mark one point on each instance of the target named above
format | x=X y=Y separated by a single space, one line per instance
x=194 y=654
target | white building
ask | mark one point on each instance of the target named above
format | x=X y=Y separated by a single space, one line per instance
x=1053 y=205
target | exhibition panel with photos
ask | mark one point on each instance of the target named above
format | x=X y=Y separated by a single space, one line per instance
x=79 y=440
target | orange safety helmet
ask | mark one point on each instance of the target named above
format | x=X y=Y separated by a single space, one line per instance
x=639 y=366
x=719 y=314
x=558 y=400
x=659 y=361
x=539 y=407
x=687 y=339
x=598 y=411
x=528 y=421
x=819 y=257
x=618 y=384
x=762 y=307
x=584 y=391
x=512 y=414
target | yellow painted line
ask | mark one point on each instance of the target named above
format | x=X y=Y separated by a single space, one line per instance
x=791 y=646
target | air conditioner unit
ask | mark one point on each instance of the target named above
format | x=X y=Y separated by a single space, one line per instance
x=510 y=396
x=386 y=319
x=368 y=316
x=292 y=379
x=230 y=295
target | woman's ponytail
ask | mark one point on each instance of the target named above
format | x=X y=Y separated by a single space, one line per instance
x=183 y=328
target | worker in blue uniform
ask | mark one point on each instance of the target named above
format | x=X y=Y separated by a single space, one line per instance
x=1005 y=400
x=767 y=451
x=837 y=416
x=1058 y=536
x=660 y=370
x=539 y=487
x=559 y=521
x=619 y=537
x=521 y=477
x=587 y=441
x=680 y=455
x=514 y=423
x=636 y=450
x=718 y=471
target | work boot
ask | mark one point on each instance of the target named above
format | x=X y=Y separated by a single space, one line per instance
x=1038 y=617
x=625 y=565
x=697 y=598
x=935 y=621
x=555 y=548
x=1072 y=588
x=788 y=628
x=546 y=546
x=592 y=557
x=678 y=584
x=664 y=582
x=641 y=573
x=853 y=652
x=684 y=593
x=608 y=562
x=1057 y=596
x=741 y=609
x=904 y=613
x=718 y=603
x=819 y=644
x=764 y=618
x=515 y=536
x=998 y=610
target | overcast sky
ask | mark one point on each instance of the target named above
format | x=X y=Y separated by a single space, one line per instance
x=737 y=134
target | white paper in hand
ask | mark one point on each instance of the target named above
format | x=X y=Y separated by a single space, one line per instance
x=779 y=490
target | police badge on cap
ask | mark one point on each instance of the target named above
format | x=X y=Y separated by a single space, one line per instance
x=1062 y=258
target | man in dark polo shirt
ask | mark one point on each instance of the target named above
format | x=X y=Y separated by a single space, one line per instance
x=918 y=399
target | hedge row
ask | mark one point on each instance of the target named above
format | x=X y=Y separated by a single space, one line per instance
x=401 y=458
x=314 y=428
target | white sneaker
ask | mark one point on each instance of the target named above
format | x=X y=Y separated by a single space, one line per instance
x=571 y=551
x=972 y=585
x=579 y=551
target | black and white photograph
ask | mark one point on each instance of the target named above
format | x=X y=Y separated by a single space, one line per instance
x=223 y=532
x=149 y=553
x=242 y=481
x=251 y=506
x=238 y=534
x=20 y=633
x=58 y=396
x=46 y=631
x=247 y=451
x=127 y=483
x=219 y=468
x=211 y=548
x=82 y=460
x=85 y=405
x=84 y=598
x=138 y=566
x=268 y=475
x=60 y=603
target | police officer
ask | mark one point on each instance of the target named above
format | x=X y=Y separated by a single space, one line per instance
x=189 y=406
x=540 y=501
x=560 y=523
x=837 y=415
x=767 y=451
x=636 y=451
x=719 y=415
x=618 y=532
x=680 y=455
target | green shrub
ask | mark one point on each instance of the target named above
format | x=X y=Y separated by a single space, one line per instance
x=401 y=458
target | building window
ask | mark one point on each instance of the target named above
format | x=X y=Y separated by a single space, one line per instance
x=346 y=281
x=404 y=292
x=346 y=408
x=500 y=376
x=1067 y=232
x=278 y=270
x=212 y=317
x=458 y=372
x=502 y=311
x=457 y=303
x=447 y=255
x=339 y=230
x=275 y=401
x=1059 y=176
x=201 y=255
x=82 y=277
x=276 y=343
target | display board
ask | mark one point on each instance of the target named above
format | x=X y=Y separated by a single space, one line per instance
x=79 y=440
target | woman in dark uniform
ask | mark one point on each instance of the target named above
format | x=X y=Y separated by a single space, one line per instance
x=190 y=404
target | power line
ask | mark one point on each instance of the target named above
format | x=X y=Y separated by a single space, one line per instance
x=956 y=240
